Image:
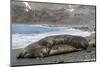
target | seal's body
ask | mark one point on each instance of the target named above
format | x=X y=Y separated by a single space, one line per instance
x=75 y=41
x=52 y=45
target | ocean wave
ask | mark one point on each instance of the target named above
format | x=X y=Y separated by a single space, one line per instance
x=23 y=39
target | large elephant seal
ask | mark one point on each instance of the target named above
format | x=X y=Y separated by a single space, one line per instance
x=52 y=45
x=75 y=41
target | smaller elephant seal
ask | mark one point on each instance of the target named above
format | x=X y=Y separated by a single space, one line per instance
x=32 y=51
x=53 y=45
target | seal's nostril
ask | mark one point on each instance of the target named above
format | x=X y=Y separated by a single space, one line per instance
x=19 y=56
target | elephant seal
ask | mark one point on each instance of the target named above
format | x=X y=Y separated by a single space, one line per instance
x=92 y=40
x=47 y=45
x=33 y=50
x=75 y=41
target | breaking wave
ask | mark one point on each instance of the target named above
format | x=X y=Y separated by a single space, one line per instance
x=23 y=34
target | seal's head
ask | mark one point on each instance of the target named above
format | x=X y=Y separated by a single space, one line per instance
x=33 y=53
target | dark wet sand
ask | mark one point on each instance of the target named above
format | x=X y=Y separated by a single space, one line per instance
x=80 y=56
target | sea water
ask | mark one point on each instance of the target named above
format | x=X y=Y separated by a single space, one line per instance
x=24 y=34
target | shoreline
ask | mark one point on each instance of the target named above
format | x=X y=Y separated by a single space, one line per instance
x=90 y=28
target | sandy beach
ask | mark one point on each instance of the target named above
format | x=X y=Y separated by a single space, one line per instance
x=80 y=56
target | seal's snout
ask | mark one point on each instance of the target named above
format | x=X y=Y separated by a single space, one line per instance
x=19 y=56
